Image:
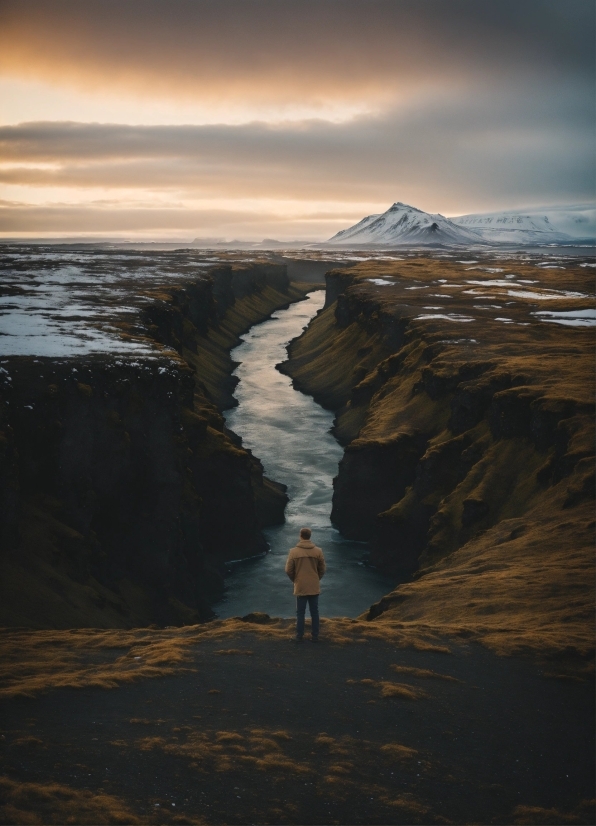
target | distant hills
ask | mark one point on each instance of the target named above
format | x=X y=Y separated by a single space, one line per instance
x=406 y=225
x=553 y=225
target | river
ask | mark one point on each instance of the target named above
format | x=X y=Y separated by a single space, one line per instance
x=291 y=435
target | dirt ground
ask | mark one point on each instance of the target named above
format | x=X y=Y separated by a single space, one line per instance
x=233 y=723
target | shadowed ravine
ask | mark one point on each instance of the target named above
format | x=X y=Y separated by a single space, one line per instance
x=290 y=433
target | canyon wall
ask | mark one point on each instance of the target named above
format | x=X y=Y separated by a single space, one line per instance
x=122 y=493
x=468 y=461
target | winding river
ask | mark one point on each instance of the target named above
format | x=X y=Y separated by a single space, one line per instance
x=290 y=433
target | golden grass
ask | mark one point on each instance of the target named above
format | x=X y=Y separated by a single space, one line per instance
x=406 y=692
x=390 y=689
x=423 y=673
x=27 y=742
x=398 y=752
x=54 y=803
x=33 y=662
x=539 y=816
x=341 y=768
x=36 y=661
x=227 y=736
x=278 y=762
x=225 y=751
x=344 y=746
x=531 y=594
x=279 y=734
x=521 y=581
x=334 y=780
x=339 y=761
x=407 y=803
x=324 y=739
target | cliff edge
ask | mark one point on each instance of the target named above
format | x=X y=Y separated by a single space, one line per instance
x=464 y=397
x=122 y=493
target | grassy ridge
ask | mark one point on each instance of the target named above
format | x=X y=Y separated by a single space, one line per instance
x=469 y=457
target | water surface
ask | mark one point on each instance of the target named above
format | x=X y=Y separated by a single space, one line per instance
x=289 y=432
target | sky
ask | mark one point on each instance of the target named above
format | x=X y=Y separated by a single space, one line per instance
x=287 y=119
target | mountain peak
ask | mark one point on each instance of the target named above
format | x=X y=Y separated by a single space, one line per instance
x=398 y=205
x=405 y=224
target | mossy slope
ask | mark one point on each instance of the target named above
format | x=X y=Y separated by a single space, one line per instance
x=454 y=442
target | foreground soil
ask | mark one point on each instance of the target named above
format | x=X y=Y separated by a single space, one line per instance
x=230 y=722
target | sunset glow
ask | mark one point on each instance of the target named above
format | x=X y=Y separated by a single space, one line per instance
x=286 y=120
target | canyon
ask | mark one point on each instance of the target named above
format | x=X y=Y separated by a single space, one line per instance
x=466 y=412
x=464 y=409
x=122 y=492
x=461 y=393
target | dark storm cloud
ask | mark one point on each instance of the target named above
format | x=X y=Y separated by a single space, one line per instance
x=291 y=50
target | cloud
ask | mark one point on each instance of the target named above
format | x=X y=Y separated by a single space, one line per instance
x=17 y=219
x=521 y=148
x=291 y=51
x=458 y=106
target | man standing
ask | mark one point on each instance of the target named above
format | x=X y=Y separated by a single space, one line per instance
x=305 y=567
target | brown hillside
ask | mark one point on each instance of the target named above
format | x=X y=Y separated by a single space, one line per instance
x=467 y=415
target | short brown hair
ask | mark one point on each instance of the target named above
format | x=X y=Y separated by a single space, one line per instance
x=305 y=533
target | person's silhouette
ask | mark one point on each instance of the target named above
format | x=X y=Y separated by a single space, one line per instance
x=305 y=567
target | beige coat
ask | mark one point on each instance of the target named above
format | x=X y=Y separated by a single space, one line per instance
x=305 y=567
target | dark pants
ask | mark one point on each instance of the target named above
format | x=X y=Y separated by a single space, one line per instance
x=313 y=607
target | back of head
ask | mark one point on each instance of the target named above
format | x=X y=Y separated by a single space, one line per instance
x=305 y=533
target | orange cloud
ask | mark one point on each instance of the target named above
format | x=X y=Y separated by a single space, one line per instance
x=455 y=106
x=455 y=153
x=112 y=220
x=290 y=51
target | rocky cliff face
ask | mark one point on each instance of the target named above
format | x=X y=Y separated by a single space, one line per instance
x=460 y=417
x=122 y=492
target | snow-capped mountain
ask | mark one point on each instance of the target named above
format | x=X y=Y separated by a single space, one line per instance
x=403 y=224
x=551 y=225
